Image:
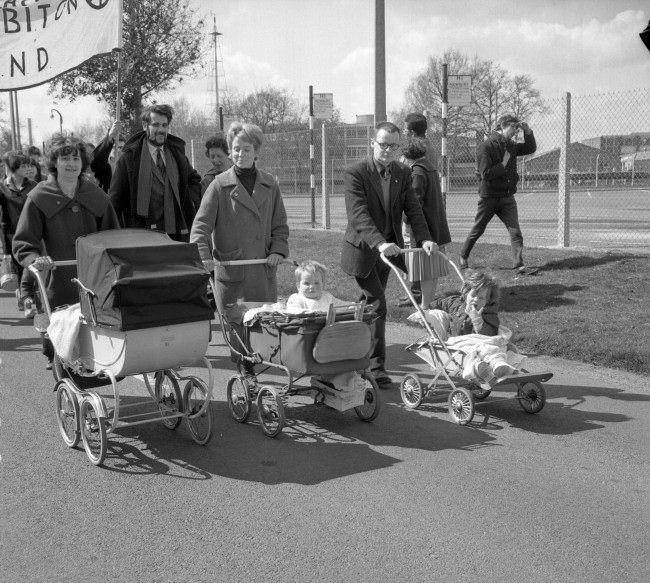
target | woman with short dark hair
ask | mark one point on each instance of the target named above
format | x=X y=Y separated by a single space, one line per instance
x=56 y=213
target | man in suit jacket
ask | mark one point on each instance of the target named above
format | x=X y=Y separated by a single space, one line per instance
x=377 y=192
x=154 y=185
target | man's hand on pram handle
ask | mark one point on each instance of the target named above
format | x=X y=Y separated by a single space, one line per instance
x=44 y=263
x=390 y=249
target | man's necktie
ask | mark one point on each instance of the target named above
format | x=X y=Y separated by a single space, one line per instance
x=159 y=161
x=384 y=172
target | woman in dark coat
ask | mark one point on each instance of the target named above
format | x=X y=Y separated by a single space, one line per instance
x=426 y=185
x=56 y=213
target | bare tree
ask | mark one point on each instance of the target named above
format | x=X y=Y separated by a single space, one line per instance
x=494 y=93
x=272 y=109
x=162 y=43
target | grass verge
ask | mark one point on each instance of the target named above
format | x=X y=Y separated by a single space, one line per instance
x=587 y=306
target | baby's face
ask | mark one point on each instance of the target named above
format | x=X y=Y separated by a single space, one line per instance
x=310 y=286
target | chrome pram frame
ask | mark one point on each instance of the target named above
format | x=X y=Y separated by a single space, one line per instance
x=271 y=397
x=447 y=365
x=83 y=414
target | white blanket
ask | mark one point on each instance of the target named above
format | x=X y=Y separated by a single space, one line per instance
x=63 y=331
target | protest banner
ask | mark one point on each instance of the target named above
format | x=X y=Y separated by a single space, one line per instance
x=39 y=41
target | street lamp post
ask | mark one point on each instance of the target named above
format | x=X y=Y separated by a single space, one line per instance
x=60 y=119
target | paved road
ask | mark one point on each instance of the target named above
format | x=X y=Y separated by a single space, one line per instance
x=561 y=496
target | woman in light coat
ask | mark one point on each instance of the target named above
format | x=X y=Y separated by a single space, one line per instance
x=242 y=216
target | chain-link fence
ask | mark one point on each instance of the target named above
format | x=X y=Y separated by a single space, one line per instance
x=587 y=185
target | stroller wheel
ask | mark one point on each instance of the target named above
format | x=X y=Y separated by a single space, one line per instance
x=270 y=411
x=531 y=396
x=461 y=406
x=239 y=401
x=168 y=398
x=93 y=432
x=411 y=391
x=67 y=413
x=371 y=402
x=194 y=396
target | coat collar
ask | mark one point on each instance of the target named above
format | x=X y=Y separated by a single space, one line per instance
x=47 y=196
x=239 y=194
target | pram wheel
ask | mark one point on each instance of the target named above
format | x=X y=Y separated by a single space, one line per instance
x=531 y=396
x=371 y=403
x=168 y=397
x=461 y=406
x=67 y=414
x=410 y=390
x=93 y=432
x=194 y=396
x=239 y=401
x=270 y=411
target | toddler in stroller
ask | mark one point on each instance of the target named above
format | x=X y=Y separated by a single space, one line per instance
x=465 y=320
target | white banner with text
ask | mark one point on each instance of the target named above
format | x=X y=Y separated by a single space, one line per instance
x=41 y=40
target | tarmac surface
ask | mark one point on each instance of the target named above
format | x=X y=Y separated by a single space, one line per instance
x=557 y=496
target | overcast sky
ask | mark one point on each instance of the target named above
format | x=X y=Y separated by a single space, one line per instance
x=581 y=46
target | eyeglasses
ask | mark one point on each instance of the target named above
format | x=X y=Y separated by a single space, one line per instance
x=384 y=146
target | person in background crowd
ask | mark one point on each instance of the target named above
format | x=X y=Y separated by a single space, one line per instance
x=242 y=216
x=105 y=155
x=57 y=212
x=13 y=194
x=496 y=161
x=154 y=185
x=415 y=126
x=34 y=155
x=216 y=149
x=426 y=186
x=377 y=192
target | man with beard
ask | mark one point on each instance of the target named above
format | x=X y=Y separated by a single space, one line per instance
x=154 y=185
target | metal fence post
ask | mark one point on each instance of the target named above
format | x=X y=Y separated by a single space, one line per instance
x=192 y=152
x=563 y=179
x=325 y=196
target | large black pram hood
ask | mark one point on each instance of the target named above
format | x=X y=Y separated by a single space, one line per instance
x=142 y=279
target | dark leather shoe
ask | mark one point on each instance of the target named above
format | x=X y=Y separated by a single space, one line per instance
x=462 y=262
x=384 y=382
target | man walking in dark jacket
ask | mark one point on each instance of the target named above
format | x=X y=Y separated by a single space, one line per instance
x=496 y=161
x=153 y=185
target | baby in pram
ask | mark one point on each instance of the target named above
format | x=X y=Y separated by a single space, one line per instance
x=469 y=321
x=311 y=295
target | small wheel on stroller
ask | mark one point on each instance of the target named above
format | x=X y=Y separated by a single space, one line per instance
x=194 y=396
x=93 y=432
x=67 y=414
x=270 y=411
x=531 y=396
x=411 y=391
x=239 y=401
x=371 y=402
x=461 y=406
x=169 y=398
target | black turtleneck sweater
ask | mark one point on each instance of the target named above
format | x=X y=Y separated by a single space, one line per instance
x=247 y=177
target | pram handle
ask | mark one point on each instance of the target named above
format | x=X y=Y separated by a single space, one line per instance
x=211 y=264
x=420 y=250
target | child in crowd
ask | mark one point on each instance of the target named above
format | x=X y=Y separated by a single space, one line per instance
x=469 y=320
x=13 y=195
x=311 y=297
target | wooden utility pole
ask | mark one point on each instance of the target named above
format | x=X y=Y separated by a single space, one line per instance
x=380 y=62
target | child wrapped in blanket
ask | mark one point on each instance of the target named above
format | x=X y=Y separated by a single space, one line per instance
x=469 y=321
